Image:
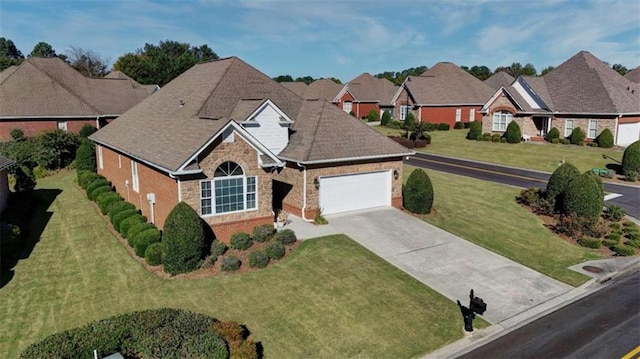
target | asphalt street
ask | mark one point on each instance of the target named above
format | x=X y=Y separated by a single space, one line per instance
x=605 y=324
x=628 y=199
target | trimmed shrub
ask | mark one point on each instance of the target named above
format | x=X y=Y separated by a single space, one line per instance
x=218 y=248
x=231 y=332
x=286 y=236
x=105 y=199
x=25 y=180
x=443 y=127
x=592 y=144
x=86 y=157
x=475 y=130
x=631 y=160
x=241 y=241
x=153 y=254
x=121 y=216
x=205 y=345
x=386 y=118
x=553 y=134
x=275 y=250
x=559 y=182
x=584 y=197
x=372 y=116
x=555 y=140
x=258 y=259
x=87 y=177
x=245 y=349
x=263 y=233
x=99 y=182
x=418 y=192
x=208 y=262
x=230 y=263
x=127 y=223
x=427 y=138
x=486 y=137
x=513 y=133
x=145 y=238
x=429 y=127
x=100 y=190
x=495 y=137
x=458 y=125
x=590 y=242
x=183 y=240
x=577 y=136
x=613 y=237
x=624 y=250
x=614 y=213
x=137 y=228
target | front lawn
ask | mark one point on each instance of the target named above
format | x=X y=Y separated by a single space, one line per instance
x=331 y=298
x=487 y=214
x=540 y=156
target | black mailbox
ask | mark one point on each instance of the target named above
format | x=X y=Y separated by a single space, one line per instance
x=478 y=305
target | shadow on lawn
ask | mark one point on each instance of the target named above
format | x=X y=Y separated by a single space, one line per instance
x=29 y=211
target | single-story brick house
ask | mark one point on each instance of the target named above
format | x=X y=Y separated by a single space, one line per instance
x=5 y=163
x=444 y=93
x=43 y=94
x=320 y=89
x=582 y=92
x=238 y=147
x=365 y=93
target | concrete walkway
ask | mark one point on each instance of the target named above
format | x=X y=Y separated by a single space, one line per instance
x=448 y=264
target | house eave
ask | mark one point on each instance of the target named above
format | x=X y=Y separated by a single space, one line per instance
x=42 y=117
x=447 y=104
x=349 y=159
x=151 y=164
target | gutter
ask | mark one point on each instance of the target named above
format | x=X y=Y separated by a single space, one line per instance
x=88 y=116
x=345 y=159
x=304 y=192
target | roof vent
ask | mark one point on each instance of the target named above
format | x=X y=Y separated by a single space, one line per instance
x=181 y=103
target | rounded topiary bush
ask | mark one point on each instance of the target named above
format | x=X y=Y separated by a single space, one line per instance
x=577 y=136
x=230 y=263
x=584 y=197
x=513 y=133
x=241 y=241
x=559 y=181
x=275 y=250
x=126 y=223
x=98 y=191
x=258 y=259
x=137 y=228
x=105 y=199
x=418 y=192
x=631 y=158
x=605 y=139
x=118 y=218
x=86 y=157
x=153 y=254
x=554 y=133
x=87 y=177
x=116 y=207
x=475 y=131
x=624 y=250
x=590 y=242
x=183 y=239
x=286 y=236
x=218 y=248
x=99 y=182
x=205 y=345
x=263 y=233
x=145 y=238
x=386 y=118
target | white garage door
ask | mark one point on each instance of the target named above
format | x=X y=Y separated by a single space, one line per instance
x=628 y=133
x=355 y=191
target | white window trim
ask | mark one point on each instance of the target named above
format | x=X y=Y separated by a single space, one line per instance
x=62 y=125
x=134 y=176
x=508 y=118
x=566 y=127
x=100 y=158
x=404 y=112
x=213 y=195
x=344 y=106
x=594 y=129
x=458 y=114
x=472 y=115
x=228 y=136
x=119 y=161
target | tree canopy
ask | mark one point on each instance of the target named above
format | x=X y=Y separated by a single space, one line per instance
x=87 y=62
x=621 y=69
x=159 y=64
x=516 y=69
x=9 y=54
x=398 y=77
x=43 y=49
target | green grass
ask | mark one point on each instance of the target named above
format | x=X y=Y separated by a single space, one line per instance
x=536 y=155
x=331 y=298
x=486 y=214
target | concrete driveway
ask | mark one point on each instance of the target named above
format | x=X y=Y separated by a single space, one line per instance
x=449 y=264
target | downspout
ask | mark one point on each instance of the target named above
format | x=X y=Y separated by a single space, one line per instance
x=615 y=142
x=179 y=186
x=98 y=122
x=304 y=192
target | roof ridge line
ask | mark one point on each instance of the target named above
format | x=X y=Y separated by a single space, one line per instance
x=204 y=103
x=315 y=131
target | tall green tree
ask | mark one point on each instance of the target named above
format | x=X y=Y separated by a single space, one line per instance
x=9 y=54
x=480 y=72
x=159 y=64
x=42 y=49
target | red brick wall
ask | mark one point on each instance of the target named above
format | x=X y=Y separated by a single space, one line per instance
x=34 y=127
x=223 y=231
x=362 y=109
x=346 y=97
x=448 y=114
x=629 y=119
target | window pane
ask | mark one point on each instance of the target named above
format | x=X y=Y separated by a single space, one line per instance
x=229 y=195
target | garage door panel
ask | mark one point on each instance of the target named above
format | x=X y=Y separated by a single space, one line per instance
x=628 y=133
x=355 y=191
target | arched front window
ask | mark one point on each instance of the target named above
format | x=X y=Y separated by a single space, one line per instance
x=229 y=191
x=501 y=120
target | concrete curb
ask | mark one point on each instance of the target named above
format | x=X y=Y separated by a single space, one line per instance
x=481 y=337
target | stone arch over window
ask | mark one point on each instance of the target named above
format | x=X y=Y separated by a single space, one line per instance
x=229 y=191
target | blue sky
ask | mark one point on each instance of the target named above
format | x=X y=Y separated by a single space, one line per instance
x=340 y=38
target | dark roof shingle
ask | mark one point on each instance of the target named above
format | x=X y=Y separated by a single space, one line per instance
x=498 y=79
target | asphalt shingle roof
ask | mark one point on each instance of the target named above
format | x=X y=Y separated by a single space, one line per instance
x=633 y=75
x=296 y=87
x=368 y=88
x=447 y=84
x=324 y=89
x=5 y=162
x=498 y=79
x=179 y=119
x=44 y=87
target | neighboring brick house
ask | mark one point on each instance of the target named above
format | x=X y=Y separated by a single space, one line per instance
x=498 y=80
x=633 y=75
x=46 y=93
x=5 y=163
x=238 y=147
x=366 y=93
x=582 y=92
x=444 y=93
x=320 y=89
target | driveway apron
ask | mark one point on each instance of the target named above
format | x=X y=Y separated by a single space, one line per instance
x=449 y=264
